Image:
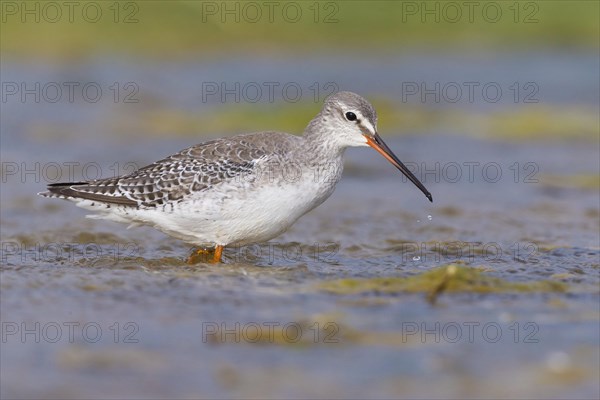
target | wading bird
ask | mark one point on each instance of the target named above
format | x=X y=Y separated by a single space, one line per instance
x=239 y=190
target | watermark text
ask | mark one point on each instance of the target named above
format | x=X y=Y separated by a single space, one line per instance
x=69 y=332
x=51 y=12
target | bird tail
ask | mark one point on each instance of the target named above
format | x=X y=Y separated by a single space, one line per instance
x=102 y=191
x=62 y=190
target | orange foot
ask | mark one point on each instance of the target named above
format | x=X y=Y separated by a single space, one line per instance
x=202 y=255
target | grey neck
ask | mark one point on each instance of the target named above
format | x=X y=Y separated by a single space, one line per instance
x=318 y=142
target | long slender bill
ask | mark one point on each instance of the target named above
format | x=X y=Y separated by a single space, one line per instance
x=378 y=144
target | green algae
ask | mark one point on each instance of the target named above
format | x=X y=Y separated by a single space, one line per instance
x=317 y=330
x=579 y=181
x=76 y=357
x=531 y=122
x=170 y=29
x=452 y=278
x=541 y=122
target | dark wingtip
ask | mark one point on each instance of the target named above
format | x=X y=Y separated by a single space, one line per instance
x=66 y=184
x=72 y=190
x=430 y=197
x=60 y=189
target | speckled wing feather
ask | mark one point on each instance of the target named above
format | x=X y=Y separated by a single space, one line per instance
x=170 y=180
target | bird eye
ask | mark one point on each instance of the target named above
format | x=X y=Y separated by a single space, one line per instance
x=351 y=116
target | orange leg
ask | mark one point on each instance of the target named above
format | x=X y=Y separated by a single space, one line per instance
x=201 y=255
x=218 y=253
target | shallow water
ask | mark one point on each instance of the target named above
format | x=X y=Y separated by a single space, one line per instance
x=91 y=309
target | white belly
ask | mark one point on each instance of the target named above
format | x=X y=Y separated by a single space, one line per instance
x=230 y=215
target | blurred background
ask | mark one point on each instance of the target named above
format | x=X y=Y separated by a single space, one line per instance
x=491 y=291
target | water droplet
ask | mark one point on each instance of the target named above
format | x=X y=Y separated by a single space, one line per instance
x=416 y=258
x=418 y=220
x=429 y=217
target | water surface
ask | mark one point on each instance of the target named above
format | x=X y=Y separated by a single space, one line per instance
x=92 y=309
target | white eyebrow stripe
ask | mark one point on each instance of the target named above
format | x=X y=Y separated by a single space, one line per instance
x=367 y=125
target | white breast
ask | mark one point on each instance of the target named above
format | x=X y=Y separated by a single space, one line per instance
x=247 y=212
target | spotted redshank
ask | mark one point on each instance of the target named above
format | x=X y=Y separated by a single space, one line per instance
x=239 y=190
